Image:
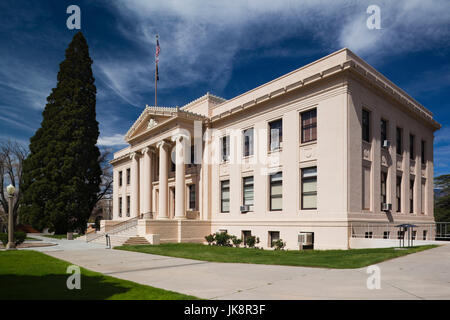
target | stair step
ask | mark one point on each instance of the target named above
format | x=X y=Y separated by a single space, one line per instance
x=136 y=241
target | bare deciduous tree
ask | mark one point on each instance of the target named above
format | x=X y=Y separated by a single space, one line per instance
x=107 y=175
x=12 y=155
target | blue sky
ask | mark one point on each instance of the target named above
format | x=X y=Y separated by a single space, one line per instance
x=224 y=47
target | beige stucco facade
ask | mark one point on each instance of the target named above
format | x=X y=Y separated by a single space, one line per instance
x=329 y=180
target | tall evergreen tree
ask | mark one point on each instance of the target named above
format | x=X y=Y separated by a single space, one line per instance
x=61 y=176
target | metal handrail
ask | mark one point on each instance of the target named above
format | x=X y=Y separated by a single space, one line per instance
x=122 y=226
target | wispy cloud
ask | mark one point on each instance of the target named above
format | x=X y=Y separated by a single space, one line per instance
x=114 y=140
x=201 y=41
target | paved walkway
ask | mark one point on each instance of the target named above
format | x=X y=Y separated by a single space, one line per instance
x=423 y=275
x=63 y=244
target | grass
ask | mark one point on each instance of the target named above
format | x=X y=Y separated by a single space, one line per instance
x=339 y=259
x=28 y=275
x=32 y=239
x=60 y=236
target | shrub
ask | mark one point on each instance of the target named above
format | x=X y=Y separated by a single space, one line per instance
x=4 y=238
x=19 y=237
x=252 y=241
x=236 y=241
x=279 y=244
x=223 y=239
x=210 y=239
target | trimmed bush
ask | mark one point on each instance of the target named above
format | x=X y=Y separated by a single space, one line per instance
x=223 y=239
x=19 y=237
x=4 y=238
x=210 y=239
x=236 y=241
x=279 y=244
x=252 y=241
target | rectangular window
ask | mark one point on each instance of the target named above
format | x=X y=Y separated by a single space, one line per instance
x=120 y=206
x=248 y=191
x=225 y=141
x=368 y=235
x=276 y=191
x=398 y=193
x=366 y=125
x=273 y=237
x=411 y=146
x=120 y=178
x=422 y=152
x=414 y=235
x=192 y=155
x=128 y=206
x=411 y=196
x=128 y=176
x=192 y=196
x=245 y=235
x=383 y=186
x=423 y=197
x=383 y=130
x=276 y=134
x=400 y=234
x=309 y=125
x=309 y=188
x=225 y=196
x=425 y=234
x=247 y=136
x=386 y=235
x=366 y=190
x=399 y=141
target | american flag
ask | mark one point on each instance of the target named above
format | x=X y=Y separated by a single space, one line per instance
x=158 y=50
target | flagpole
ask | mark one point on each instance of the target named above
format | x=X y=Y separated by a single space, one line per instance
x=156 y=75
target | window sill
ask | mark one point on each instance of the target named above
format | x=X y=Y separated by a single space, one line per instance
x=305 y=144
x=275 y=151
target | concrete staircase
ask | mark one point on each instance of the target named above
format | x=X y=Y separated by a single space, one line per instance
x=118 y=238
x=135 y=241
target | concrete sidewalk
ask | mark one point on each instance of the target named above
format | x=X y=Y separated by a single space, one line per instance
x=64 y=244
x=423 y=275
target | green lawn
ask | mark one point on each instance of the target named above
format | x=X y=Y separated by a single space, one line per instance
x=60 y=236
x=32 y=239
x=339 y=259
x=34 y=275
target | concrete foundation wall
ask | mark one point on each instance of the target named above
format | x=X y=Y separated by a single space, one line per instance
x=361 y=243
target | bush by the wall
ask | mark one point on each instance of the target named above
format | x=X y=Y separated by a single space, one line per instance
x=223 y=239
x=210 y=239
x=251 y=241
x=279 y=244
x=236 y=241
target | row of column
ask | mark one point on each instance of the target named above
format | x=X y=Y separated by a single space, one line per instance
x=144 y=189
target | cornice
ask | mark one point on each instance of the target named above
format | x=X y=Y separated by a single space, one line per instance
x=351 y=66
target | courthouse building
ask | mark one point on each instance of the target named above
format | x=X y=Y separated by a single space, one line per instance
x=305 y=158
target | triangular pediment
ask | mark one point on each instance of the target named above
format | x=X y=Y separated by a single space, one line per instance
x=153 y=117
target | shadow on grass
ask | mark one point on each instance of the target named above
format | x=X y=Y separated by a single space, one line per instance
x=53 y=287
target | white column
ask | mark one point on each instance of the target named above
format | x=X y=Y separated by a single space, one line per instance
x=163 y=180
x=134 y=205
x=124 y=192
x=147 y=184
x=116 y=194
x=180 y=183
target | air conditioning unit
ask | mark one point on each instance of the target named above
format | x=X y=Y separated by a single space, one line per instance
x=386 y=206
x=386 y=144
x=245 y=209
x=305 y=238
